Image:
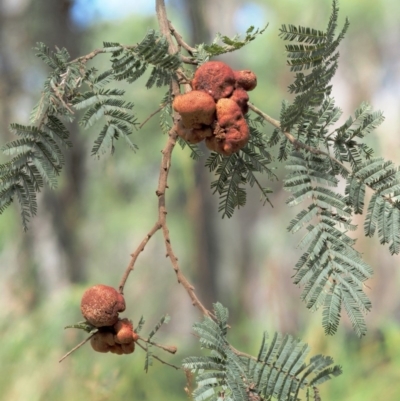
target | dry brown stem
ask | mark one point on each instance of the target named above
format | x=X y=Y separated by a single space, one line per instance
x=77 y=347
x=180 y=40
x=165 y=166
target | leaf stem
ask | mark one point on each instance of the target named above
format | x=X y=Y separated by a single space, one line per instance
x=295 y=142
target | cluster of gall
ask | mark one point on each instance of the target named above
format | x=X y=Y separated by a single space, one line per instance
x=100 y=306
x=214 y=110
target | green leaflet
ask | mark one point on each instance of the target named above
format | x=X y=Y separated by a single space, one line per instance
x=38 y=153
x=235 y=171
x=38 y=158
x=131 y=62
x=316 y=50
x=383 y=210
x=280 y=370
x=331 y=271
x=223 y=44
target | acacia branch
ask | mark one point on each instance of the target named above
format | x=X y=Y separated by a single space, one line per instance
x=165 y=166
x=180 y=40
x=295 y=142
x=135 y=255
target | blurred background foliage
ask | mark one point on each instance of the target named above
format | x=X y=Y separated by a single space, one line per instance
x=85 y=231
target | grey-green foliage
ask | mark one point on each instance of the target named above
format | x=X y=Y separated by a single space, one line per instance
x=131 y=62
x=149 y=348
x=384 y=207
x=108 y=104
x=280 y=370
x=331 y=271
x=346 y=139
x=223 y=44
x=235 y=171
x=71 y=86
x=38 y=153
x=315 y=50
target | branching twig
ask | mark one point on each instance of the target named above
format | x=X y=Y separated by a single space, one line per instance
x=171 y=349
x=162 y=185
x=295 y=142
x=84 y=59
x=159 y=359
x=180 y=40
x=135 y=255
x=151 y=115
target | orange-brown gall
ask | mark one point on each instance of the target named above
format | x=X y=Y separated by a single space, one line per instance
x=193 y=135
x=196 y=108
x=128 y=348
x=116 y=349
x=228 y=111
x=98 y=344
x=123 y=331
x=236 y=138
x=101 y=304
x=216 y=78
x=106 y=337
x=231 y=132
x=245 y=79
x=230 y=140
x=241 y=97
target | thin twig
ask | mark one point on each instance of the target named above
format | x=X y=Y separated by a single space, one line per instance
x=259 y=186
x=295 y=142
x=189 y=384
x=180 y=40
x=76 y=347
x=188 y=60
x=162 y=224
x=87 y=57
x=171 y=349
x=59 y=96
x=152 y=115
x=159 y=359
x=240 y=353
x=135 y=255
x=84 y=59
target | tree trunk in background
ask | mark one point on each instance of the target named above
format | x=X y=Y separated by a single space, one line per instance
x=23 y=283
x=60 y=215
x=204 y=206
x=205 y=19
x=49 y=256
